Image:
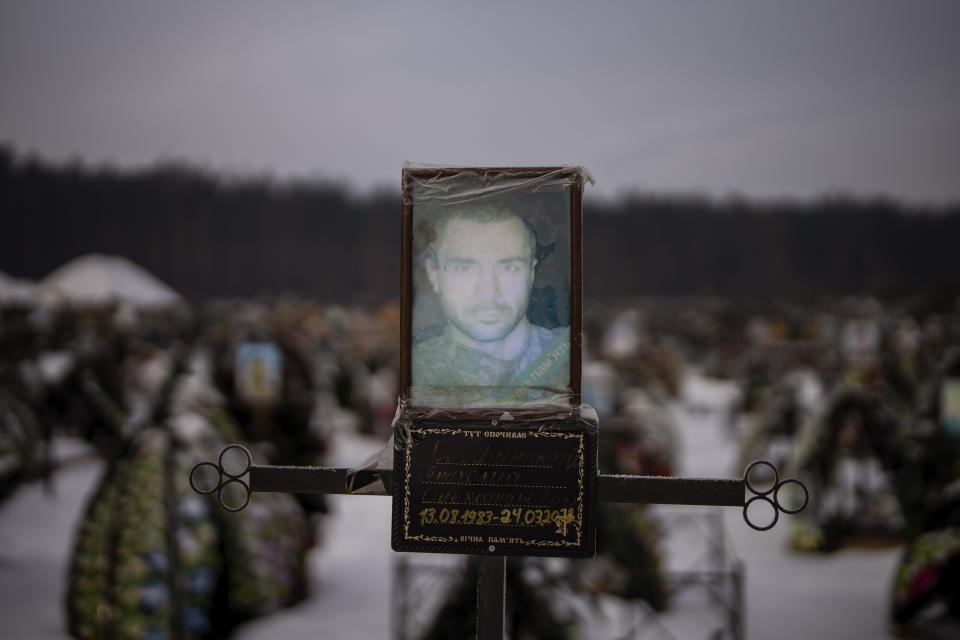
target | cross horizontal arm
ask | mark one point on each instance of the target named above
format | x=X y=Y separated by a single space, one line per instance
x=664 y=490
x=613 y=488
x=317 y=480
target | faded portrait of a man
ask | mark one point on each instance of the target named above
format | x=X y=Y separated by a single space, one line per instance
x=486 y=350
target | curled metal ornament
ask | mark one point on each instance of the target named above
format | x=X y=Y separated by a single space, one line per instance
x=225 y=479
x=770 y=495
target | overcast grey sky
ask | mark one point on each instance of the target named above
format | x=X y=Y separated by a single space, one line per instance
x=762 y=98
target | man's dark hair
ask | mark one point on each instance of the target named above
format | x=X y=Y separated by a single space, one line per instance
x=485 y=213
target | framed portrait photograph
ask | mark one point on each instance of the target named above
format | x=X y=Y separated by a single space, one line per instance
x=491 y=298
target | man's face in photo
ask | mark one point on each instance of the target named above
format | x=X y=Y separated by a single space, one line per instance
x=482 y=273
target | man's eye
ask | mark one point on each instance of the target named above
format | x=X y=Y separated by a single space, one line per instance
x=510 y=267
x=459 y=267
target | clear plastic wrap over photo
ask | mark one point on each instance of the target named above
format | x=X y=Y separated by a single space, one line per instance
x=492 y=256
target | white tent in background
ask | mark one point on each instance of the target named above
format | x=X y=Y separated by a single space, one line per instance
x=100 y=279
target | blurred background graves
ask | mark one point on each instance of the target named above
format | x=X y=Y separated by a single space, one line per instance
x=116 y=370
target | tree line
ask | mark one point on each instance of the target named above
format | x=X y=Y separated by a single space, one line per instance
x=209 y=235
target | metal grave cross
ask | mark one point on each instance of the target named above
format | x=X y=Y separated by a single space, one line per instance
x=490 y=253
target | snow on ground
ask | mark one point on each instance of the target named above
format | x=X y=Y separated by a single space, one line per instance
x=705 y=395
x=36 y=533
x=843 y=595
x=787 y=595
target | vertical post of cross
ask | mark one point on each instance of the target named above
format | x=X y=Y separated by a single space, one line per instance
x=491 y=598
x=739 y=614
x=399 y=596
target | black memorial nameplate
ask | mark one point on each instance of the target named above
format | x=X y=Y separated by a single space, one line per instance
x=528 y=489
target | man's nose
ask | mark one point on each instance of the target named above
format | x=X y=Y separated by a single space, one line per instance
x=488 y=285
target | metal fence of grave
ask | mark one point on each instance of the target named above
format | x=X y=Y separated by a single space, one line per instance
x=700 y=569
x=420 y=582
x=714 y=571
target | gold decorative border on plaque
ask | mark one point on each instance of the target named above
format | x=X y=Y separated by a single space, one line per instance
x=578 y=525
